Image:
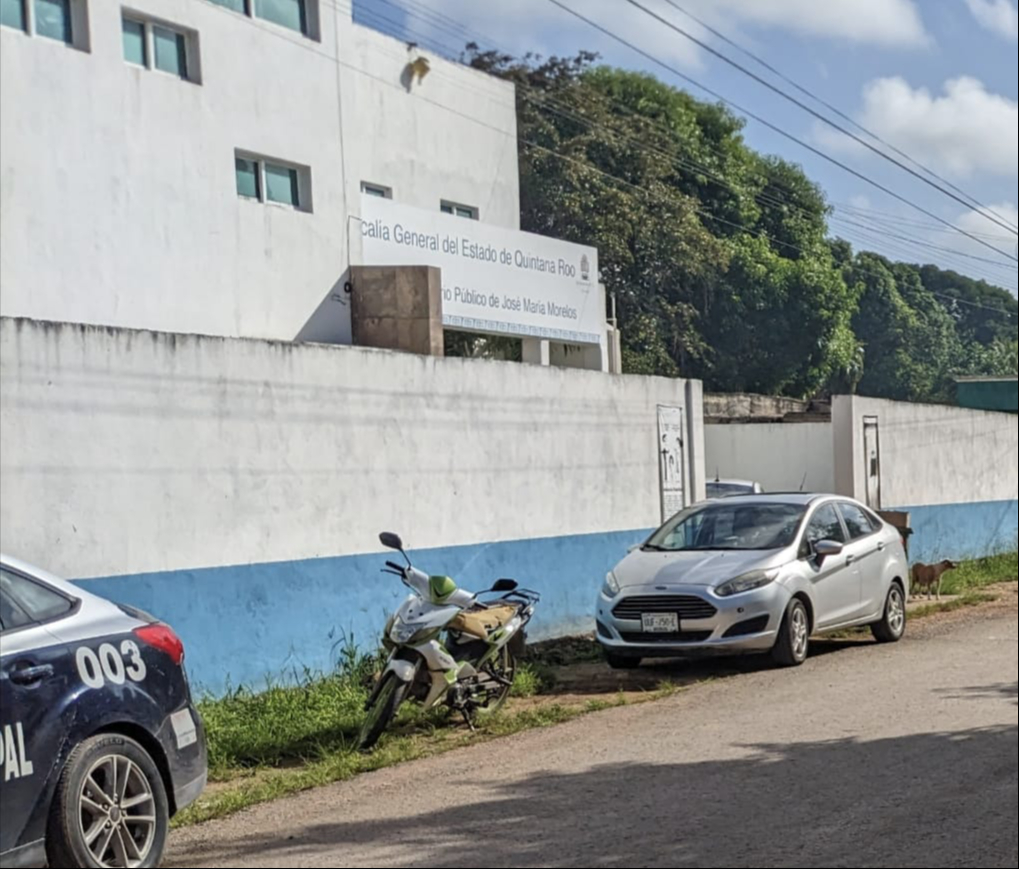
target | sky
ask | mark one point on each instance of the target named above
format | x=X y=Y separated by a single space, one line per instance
x=936 y=79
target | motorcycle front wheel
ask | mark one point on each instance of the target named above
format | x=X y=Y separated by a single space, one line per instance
x=382 y=712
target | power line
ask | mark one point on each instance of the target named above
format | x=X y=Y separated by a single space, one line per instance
x=971 y=202
x=449 y=26
x=776 y=128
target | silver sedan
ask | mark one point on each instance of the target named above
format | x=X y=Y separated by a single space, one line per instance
x=756 y=574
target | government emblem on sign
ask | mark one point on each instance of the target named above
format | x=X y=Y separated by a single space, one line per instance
x=585 y=268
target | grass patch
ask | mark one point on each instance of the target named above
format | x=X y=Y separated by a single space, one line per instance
x=975 y=575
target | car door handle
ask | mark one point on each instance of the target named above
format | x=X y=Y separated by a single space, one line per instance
x=850 y=559
x=32 y=675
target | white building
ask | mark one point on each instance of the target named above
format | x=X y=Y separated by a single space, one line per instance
x=197 y=166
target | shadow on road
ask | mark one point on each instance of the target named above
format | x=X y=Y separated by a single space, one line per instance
x=931 y=799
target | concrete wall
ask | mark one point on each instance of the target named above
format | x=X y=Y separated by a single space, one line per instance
x=953 y=470
x=148 y=231
x=236 y=488
x=781 y=457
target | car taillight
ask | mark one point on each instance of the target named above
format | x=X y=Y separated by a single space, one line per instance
x=163 y=638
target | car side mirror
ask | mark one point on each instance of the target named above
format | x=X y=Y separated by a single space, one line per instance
x=391 y=541
x=505 y=586
x=825 y=549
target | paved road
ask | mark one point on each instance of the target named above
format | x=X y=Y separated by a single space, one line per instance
x=868 y=757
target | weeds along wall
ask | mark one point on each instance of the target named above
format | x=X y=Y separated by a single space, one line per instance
x=953 y=470
x=237 y=488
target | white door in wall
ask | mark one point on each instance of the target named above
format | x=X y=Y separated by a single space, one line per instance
x=872 y=459
x=672 y=461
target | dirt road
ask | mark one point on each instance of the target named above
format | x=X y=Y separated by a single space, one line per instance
x=867 y=757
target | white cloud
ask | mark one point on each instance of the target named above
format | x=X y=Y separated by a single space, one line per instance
x=539 y=26
x=966 y=130
x=998 y=16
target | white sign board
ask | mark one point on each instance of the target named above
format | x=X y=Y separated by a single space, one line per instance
x=673 y=464
x=494 y=280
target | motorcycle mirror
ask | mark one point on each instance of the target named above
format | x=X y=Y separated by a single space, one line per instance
x=391 y=541
x=504 y=586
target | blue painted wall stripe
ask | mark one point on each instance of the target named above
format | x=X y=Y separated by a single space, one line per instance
x=245 y=624
x=962 y=531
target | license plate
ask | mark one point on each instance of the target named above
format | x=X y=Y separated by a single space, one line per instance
x=660 y=623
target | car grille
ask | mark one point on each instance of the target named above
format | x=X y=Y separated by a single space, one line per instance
x=687 y=607
x=639 y=639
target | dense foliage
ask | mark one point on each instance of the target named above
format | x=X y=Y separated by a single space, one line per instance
x=720 y=259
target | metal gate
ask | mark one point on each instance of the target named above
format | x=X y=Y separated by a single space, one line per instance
x=672 y=460
x=872 y=460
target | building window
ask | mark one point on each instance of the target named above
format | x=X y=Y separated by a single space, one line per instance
x=292 y=14
x=160 y=46
x=376 y=190
x=281 y=185
x=136 y=49
x=12 y=14
x=236 y=5
x=53 y=20
x=249 y=178
x=273 y=181
x=60 y=20
x=466 y=211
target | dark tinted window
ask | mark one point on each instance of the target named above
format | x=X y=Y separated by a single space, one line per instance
x=12 y=616
x=857 y=521
x=724 y=526
x=39 y=603
x=825 y=525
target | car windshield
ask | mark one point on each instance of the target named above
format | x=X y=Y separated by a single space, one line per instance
x=728 y=490
x=728 y=526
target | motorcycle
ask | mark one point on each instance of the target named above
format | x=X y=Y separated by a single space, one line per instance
x=446 y=645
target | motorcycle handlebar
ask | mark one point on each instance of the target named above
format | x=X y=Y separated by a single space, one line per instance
x=393 y=566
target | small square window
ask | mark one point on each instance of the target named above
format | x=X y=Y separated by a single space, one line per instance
x=53 y=20
x=12 y=14
x=377 y=190
x=282 y=185
x=292 y=14
x=249 y=182
x=465 y=211
x=135 y=46
x=171 y=51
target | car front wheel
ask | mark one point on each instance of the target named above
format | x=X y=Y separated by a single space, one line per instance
x=110 y=809
x=793 y=644
x=892 y=626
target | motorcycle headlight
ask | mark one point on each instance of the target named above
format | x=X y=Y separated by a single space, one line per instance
x=412 y=633
x=747 y=582
x=611 y=587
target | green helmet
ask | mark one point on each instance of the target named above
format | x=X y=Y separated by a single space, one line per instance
x=442 y=588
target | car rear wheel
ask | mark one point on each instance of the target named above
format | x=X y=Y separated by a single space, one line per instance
x=622 y=662
x=110 y=809
x=892 y=626
x=793 y=643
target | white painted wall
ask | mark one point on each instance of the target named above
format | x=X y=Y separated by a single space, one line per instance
x=782 y=457
x=117 y=188
x=930 y=454
x=126 y=452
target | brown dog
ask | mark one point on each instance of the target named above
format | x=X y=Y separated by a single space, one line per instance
x=930 y=578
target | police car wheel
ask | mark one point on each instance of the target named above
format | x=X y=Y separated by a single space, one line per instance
x=110 y=808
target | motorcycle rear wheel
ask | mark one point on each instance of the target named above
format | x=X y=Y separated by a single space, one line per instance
x=382 y=712
x=505 y=665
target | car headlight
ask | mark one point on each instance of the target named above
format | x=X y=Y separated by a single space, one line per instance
x=747 y=582
x=611 y=588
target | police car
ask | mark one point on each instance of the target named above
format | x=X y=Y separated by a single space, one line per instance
x=100 y=743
